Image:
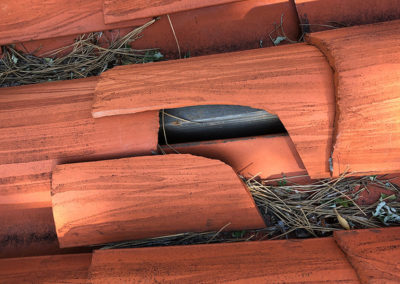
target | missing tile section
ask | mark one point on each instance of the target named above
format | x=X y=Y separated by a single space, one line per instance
x=211 y=122
x=277 y=80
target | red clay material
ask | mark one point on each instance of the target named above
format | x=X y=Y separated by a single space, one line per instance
x=367 y=76
x=28 y=232
x=46 y=269
x=142 y=197
x=45 y=47
x=374 y=253
x=116 y=11
x=293 y=81
x=39 y=19
x=26 y=184
x=267 y=156
x=319 y=15
x=294 y=261
x=394 y=178
x=46 y=124
x=230 y=27
x=372 y=193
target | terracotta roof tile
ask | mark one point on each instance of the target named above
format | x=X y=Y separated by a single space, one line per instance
x=53 y=121
x=71 y=268
x=374 y=253
x=45 y=124
x=318 y=15
x=28 y=232
x=142 y=197
x=56 y=23
x=372 y=193
x=366 y=60
x=269 y=156
x=117 y=10
x=52 y=18
x=230 y=27
x=294 y=81
x=294 y=261
x=26 y=184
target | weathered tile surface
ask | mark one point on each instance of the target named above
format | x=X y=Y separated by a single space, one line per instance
x=374 y=253
x=142 y=197
x=366 y=60
x=295 y=261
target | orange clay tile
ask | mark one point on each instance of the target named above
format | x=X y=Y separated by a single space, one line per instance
x=71 y=268
x=268 y=156
x=28 y=232
x=39 y=19
x=142 y=197
x=367 y=76
x=294 y=82
x=230 y=27
x=116 y=11
x=234 y=26
x=371 y=194
x=26 y=184
x=374 y=253
x=394 y=178
x=319 y=15
x=45 y=124
x=293 y=261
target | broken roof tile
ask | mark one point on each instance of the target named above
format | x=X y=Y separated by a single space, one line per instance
x=372 y=193
x=294 y=82
x=269 y=156
x=374 y=253
x=142 y=197
x=294 y=261
x=366 y=60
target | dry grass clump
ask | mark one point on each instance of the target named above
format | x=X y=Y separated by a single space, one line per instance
x=320 y=208
x=86 y=57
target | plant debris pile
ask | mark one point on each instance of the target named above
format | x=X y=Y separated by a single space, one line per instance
x=86 y=57
x=318 y=209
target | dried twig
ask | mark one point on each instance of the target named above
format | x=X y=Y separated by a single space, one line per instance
x=165 y=133
x=173 y=32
